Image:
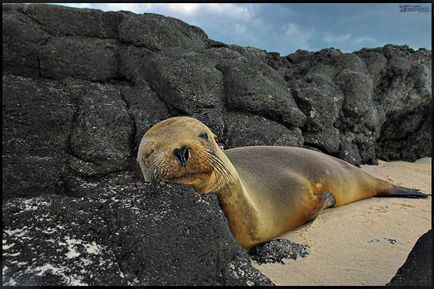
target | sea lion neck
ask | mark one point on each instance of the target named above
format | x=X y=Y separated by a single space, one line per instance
x=239 y=208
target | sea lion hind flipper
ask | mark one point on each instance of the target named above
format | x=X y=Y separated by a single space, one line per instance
x=402 y=192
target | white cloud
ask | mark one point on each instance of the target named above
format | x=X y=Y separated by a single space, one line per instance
x=240 y=28
x=77 y=5
x=351 y=42
x=125 y=6
x=187 y=9
x=331 y=38
x=238 y=10
x=365 y=40
x=296 y=36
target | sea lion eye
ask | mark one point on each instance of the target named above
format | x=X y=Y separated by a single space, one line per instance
x=204 y=135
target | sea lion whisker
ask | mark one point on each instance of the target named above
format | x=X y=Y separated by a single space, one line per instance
x=217 y=159
x=156 y=168
x=225 y=173
x=221 y=170
x=211 y=161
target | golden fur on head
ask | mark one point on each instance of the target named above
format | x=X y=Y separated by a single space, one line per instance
x=203 y=171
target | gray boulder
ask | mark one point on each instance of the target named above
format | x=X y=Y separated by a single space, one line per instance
x=189 y=84
x=65 y=21
x=132 y=63
x=135 y=234
x=360 y=121
x=37 y=117
x=417 y=268
x=257 y=88
x=144 y=108
x=22 y=40
x=79 y=57
x=101 y=135
x=156 y=32
x=321 y=101
x=253 y=130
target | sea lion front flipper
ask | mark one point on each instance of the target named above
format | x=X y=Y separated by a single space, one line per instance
x=325 y=200
x=330 y=200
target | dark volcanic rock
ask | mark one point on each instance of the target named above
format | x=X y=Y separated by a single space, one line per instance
x=349 y=152
x=376 y=64
x=80 y=57
x=36 y=117
x=189 y=84
x=321 y=101
x=347 y=61
x=377 y=101
x=82 y=86
x=360 y=121
x=51 y=240
x=302 y=61
x=132 y=63
x=101 y=135
x=156 y=32
x=358 y=92
x=257 y=88
x=407 y=98
x=417 y=269
x=22 y=40
x=101 y=239
x=252 y=130
x=411 y=146
x=276 y=250
x=144 y=107
x=64 y=21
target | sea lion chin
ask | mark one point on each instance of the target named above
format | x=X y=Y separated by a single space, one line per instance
x=264 y=191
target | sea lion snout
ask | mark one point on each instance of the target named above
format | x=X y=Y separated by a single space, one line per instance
x=183 y=150
x=182 y=154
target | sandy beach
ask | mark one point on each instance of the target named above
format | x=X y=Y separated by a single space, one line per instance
x=363 y=243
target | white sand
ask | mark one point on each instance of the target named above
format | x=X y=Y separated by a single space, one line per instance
x=349 y=245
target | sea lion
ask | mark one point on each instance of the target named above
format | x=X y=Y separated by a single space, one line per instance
x=264 y=191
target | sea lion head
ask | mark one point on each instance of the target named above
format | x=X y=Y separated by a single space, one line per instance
x=182 y=150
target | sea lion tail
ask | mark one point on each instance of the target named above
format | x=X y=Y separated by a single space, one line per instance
x=398 y=191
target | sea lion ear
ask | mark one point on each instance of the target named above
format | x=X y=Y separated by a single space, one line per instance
x=139 y=174
x=146 y=175
x=147 y=146
x=142 y=171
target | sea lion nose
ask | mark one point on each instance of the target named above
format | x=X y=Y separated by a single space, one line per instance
x=182 y=154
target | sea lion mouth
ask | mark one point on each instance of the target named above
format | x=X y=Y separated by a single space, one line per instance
x=188 y=176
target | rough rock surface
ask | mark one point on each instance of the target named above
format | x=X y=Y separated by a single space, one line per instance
x=417 y=269
x=80 y=88
x=277 y=250
x=118 y=234
x=361 y=106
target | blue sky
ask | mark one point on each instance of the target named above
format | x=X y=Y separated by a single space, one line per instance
x=286 y=27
